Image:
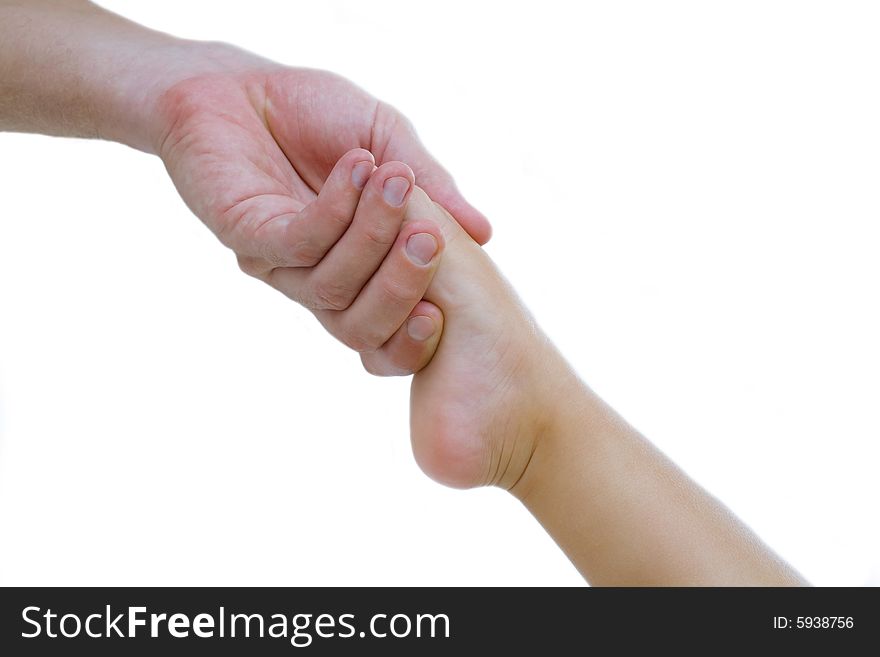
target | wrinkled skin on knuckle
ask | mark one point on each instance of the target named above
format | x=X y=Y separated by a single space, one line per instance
x=292 y=246
x=306 y=253
x=303 y=253
x=380 y=235
x=399 y=292
x=337 y=215
x=328 y=295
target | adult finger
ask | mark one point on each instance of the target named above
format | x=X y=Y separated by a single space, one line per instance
x=387 y=300
x=335 y=282
x=301 y=239
x=411 y=347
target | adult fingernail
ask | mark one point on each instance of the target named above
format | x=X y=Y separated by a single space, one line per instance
x=420 y=327
x=421 y=248
x=394 y=190
x=360 y=174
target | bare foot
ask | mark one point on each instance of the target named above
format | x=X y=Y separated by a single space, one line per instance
x=476 y=409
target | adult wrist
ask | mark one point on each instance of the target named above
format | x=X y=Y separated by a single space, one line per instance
x=136 y=116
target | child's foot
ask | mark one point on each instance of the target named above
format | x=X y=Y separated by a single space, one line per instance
x=476 y=409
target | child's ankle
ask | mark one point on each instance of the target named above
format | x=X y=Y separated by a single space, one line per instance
x=555 y=385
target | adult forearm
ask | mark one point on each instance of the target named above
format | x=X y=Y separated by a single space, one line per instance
x=626 y=515
x=71 y=68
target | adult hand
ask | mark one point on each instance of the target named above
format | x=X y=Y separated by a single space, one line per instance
x=280 y=164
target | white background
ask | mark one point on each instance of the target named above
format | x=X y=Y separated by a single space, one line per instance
x=686 y=194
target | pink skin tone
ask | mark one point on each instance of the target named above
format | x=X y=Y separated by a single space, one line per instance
x=340 y=252
x=272 y=159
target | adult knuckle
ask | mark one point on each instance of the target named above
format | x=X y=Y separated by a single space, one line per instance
x=399 y=292
x=306 y=253
x=337 y=215
x=331 y=296
x=269 y=253
x=295 y=246
x=380 y=235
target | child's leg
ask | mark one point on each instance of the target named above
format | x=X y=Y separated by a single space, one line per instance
x=499 y=405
